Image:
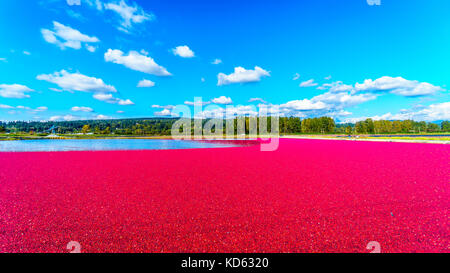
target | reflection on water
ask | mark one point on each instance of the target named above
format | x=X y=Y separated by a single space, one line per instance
x=53 y=145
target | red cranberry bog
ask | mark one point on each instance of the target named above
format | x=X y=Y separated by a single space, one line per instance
x=307 y=196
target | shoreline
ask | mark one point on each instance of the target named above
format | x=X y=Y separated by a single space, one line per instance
x=373 y=139
x=428 y=139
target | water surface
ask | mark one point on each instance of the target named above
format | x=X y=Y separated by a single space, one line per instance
x=55 y=145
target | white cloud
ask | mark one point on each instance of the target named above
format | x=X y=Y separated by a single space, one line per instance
x=197 y=103
x=145 y=83
x=82 y=109
x=327 y=104
x=91 y=48
x=163 y=106
x=308 y=83
x=56 y=90
x=130 y=15
x=3 y=60
x=65 y=118
x=222 y=100
x=438 y=111
x=216 y=61
x=305 y=104
x=229 y=111
x=398 y=86
x=136 y=61
x=434 y=112
x=21 y=107
x=105 y=97
x=242 y=75
x=26 y=53
x=67 y=37
x=3 y=106
x=74 y=2
x=41 y=109
x=16 y=91
x=77 y=82
x=339 y=87
x=97 y=4
x=103 y=117
x=125 y=102
x=109 y=98
x=257 y=99
x=328 y=78
x=165 y=112
x=296 y=76
x=343 y=99
x=183 y=51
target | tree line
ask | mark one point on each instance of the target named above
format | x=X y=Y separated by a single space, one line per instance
x=163 y=126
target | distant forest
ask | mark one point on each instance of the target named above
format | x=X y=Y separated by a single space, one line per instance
x=163 y=126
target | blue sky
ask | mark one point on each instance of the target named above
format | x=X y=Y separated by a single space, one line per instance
x=84 y=59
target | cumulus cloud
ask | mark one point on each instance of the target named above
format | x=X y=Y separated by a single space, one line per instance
x=242 y=75
x=305 y=104
x=145 y=83
x=77 y=82
x=82 y=109
x=296 y=76
x=341 y=100
x=136 y=61
x=398 y=86
x=163 y=113
x=129 y=14
x=438 y=111
x=339 y=87
x=216 y=61
x=308 y=83
x=327 y=104
x=183 y=51
x=125 y=102
x=222 y=100
x=433 y=112
x=109 y=98
x=15 y=91
x=67 y=37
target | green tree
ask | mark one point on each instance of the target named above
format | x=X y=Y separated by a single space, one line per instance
x=348 y=130
x=445 y=126
x=85 y=129
x=433 y=127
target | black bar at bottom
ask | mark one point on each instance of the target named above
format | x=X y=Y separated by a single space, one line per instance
x=229 y=262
